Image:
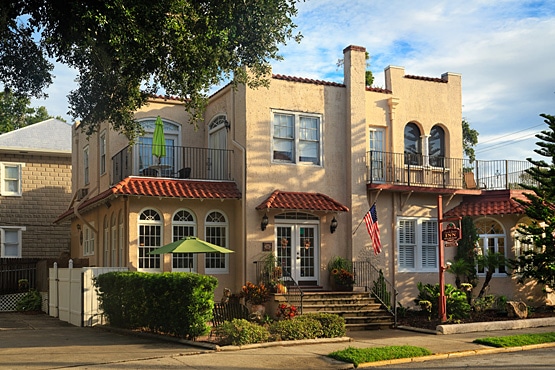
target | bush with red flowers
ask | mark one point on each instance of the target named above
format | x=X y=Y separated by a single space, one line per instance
x=286 y=312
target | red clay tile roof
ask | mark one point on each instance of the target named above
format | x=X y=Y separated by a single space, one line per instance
x=302 y=201
x=165 y=188
x=433 y=79
x=493 y=202
x=306 y=80
x=378 y=89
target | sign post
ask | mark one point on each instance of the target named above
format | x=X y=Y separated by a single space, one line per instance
x=446 y=238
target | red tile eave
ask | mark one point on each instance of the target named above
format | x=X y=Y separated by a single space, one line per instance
x=301 y=201
x=490 y=203
x=423 y=189
x=162 y=188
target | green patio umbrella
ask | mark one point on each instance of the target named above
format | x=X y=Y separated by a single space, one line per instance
x=190 y=244
x=158 y=140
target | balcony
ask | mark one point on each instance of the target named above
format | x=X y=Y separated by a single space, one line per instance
x=405 y=169
x=179 y=163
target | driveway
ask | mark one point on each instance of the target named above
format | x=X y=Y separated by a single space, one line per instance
x=38 y=341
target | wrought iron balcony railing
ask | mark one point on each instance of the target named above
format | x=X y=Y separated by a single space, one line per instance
x=442 y=172
x=179 y=162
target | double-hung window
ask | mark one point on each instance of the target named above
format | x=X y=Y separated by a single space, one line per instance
x=11 y=179
x=103 y=153
x=11 y=241
x=296 y=138
x=86 y=165
x=418 y=244
x=88 y=240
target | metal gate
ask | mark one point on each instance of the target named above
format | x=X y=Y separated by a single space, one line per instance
x=73 y=297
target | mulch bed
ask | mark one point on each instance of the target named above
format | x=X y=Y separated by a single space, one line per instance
x=421 y=319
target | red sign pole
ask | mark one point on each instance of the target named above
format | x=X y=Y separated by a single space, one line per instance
x=442 y=301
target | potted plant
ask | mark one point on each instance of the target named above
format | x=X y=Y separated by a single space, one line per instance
x=256 y=295
x=341 y=274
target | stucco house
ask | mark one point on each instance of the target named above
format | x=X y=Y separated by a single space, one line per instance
x=270 y=169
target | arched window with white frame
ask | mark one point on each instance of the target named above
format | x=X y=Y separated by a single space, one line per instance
x=114 y=242
x=492 y=239
x=106 y=242
x=121 y=239
x=184 y=224
x=150 y=225
x=216 y=232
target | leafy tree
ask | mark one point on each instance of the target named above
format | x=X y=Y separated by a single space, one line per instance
x=470 y=139
x=538 y=263
x=127 y=50
x=16 y=113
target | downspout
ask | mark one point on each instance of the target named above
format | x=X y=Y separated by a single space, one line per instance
x=243 y=185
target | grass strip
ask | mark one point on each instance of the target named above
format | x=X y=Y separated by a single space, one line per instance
x=517 y=340
x=358 y=356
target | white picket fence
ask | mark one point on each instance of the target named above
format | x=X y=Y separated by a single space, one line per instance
x=72 y=295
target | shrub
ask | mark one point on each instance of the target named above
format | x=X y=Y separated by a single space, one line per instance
x=32 y=301
x=333 y=326
x=255 y=293
x=176 y=303
x=240 y=332
x=457 y=305
x=301 y=327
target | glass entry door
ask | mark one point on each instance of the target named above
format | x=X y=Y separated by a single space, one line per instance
x=297 y=251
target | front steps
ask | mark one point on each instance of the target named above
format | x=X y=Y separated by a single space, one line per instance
x=359 y=309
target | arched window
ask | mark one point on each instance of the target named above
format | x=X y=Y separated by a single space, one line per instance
x=183 y=224
x=491 y=240
x=436 y=146
x=122 y=261
x=216 y=233
x=150 y=237
x=167 y=165
x=413 y=146
x=114 y=243
x=106 y=242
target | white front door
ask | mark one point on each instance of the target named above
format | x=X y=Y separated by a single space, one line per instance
x=297 y=249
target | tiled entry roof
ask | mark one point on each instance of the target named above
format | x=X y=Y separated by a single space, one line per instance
x=302 y=201
x=489 y=203
x=163 y=188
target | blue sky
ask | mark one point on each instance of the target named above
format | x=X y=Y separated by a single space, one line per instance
x=504 y=50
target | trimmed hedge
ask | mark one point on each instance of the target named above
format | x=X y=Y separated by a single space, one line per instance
x=240 y=332
x=175 y=303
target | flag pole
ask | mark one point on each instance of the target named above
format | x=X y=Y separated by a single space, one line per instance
x=360 y=223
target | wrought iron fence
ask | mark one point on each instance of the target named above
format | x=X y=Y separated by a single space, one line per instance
x=443 y=172
x=371 y=279
x=14 y=270
x=179 y=162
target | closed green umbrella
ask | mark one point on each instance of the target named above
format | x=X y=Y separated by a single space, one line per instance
x=158 y=140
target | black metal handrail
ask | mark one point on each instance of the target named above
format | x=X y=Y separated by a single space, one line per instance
x=270 y=273
x=443 y=172
x=179 y=162
x=373 y=280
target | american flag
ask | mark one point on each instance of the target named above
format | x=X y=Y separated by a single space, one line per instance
x=371 y=220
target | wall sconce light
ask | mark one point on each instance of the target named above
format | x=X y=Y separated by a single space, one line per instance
x=264 y=223
x=108 y=204
x=227 y=125
x=78 y=226
x=333 y=225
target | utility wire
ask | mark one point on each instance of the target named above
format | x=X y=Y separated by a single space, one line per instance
x=513 y=133
x=504 y=143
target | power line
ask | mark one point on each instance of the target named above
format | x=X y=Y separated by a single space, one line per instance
x=504 y=143
x=509 y=134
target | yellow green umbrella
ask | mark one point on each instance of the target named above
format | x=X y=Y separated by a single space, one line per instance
x=158 y=140
x=190 y=244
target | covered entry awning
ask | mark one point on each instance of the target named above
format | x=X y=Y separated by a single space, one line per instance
x=302 y=201
x=490 y=203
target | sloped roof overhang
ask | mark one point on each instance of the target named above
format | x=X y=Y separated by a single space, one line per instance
x=301 y=201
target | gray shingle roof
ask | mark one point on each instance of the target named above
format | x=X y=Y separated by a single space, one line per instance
x=51 y=135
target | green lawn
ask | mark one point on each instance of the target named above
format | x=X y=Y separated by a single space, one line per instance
x=517 y=340
x=358 y=356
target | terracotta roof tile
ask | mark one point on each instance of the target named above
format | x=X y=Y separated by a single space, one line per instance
x=302 y=201
x=306 y=80
x=432 y=79
x=378 y=89
x=165 y=188
x=489 y=203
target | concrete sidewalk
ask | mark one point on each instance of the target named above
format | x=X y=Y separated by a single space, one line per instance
x=42 y=342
